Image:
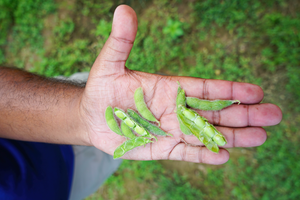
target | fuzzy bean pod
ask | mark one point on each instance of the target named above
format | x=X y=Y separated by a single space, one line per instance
x=181 y=100
x=219 y=138
x=111 y=121
x=147 y=125
x=142 y=107
x=201 y=104
x=127 y=131
x=132 y=124
x=199 y=133
x=203 y=124
x=129 y=145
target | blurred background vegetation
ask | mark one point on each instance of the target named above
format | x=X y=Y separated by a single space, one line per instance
x=251 y=41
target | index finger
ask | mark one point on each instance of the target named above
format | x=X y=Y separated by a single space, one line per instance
x=210 y=89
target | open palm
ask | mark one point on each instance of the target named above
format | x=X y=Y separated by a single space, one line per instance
x=111 y=83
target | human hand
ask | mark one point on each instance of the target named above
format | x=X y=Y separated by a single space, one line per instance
x=111 y=83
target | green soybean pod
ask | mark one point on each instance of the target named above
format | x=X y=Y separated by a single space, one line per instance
x=142 y=107
x=199 y=133
x=219 y=138
x=127 y=131
x=202 y=104
x=111 y=121
x=194 y=116
x=181 y=101
x=132 y=124
x=147 y=125
x=129 y=145
x=203 y=124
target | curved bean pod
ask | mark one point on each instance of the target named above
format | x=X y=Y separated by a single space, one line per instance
x=142 y=107
x=129 y=145
x=111 y=121
x=127 y=131
x=201 y=104
x=181 y=100
x=147 y=125
x=207 y=141
x=203 y=124
x=132 y=124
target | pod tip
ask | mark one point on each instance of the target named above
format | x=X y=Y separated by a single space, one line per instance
x=158 y=123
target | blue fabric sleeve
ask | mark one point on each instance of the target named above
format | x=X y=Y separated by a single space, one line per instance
x=31 y=170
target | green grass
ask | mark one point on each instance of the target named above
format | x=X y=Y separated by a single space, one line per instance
x=270 y=34
x=275 y=166
x=248 y=41
x=21 y=27
x=155 y=179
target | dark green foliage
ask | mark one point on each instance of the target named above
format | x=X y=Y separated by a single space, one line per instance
x=276 y=166
x=176 y=187
x=21 y=25
x=283 y=167
x=173 y=29
x=284 y=50
x=103 y=29
x=68 y=60
x=276 y=36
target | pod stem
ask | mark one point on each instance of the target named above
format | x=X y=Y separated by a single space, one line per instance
x=236 y=101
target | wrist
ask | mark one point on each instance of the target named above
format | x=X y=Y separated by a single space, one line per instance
x=77 y=125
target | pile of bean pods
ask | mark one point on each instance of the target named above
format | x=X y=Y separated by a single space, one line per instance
x=190 y=122
x=133 y=121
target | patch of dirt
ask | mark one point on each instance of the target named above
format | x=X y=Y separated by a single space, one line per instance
x=274 y=88
x=132 y=190
x=49 y=24
x=138 y=6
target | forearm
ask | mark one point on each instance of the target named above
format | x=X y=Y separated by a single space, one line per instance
x=34 y=108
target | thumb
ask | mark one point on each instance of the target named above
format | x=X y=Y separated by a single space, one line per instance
x=115 y=52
